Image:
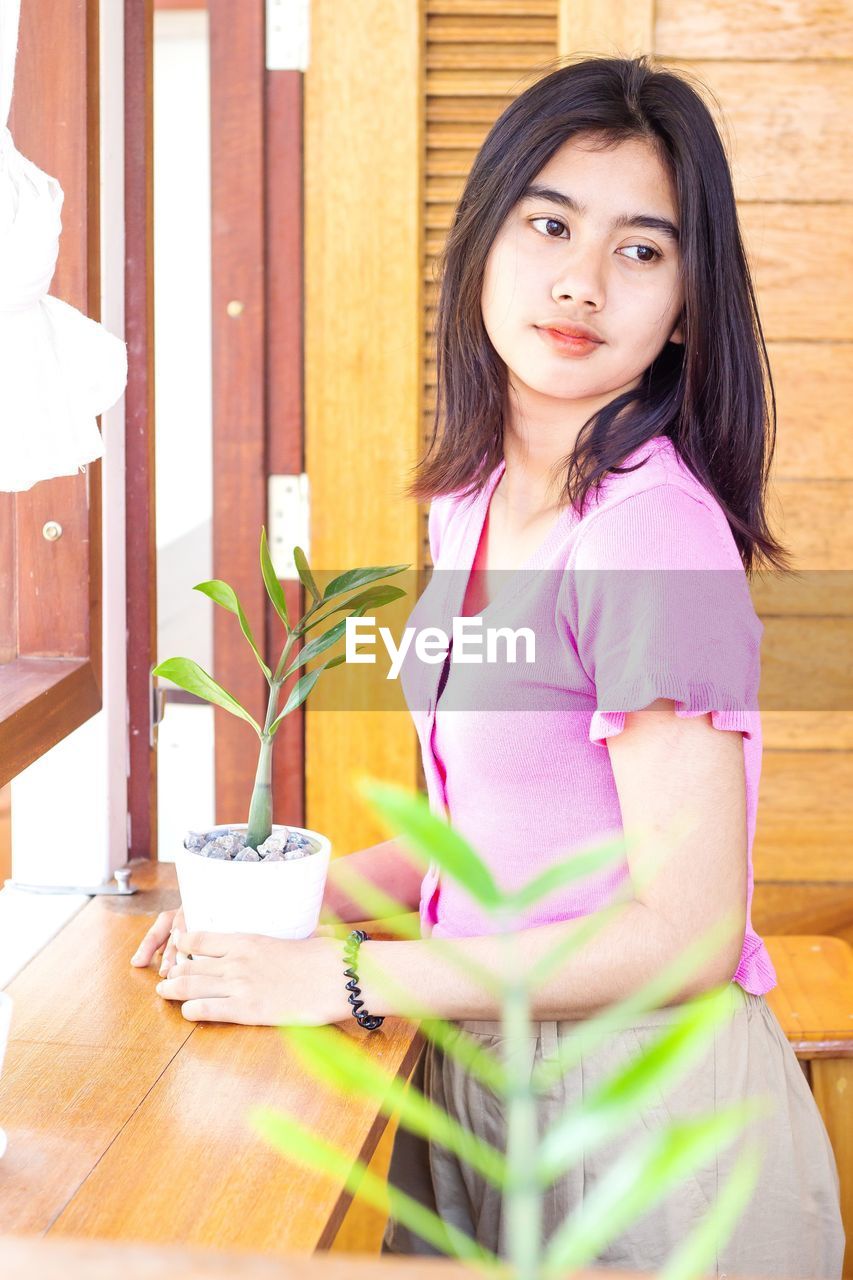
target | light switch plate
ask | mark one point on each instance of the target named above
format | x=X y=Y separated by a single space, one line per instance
x=288 y=522
x=288 y=34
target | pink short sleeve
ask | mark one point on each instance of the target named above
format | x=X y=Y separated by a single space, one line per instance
x=658 y=606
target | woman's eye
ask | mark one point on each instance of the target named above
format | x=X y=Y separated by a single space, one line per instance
x=555 y=222
x=648 y=249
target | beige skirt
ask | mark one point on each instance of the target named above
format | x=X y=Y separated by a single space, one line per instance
x=791 y=1226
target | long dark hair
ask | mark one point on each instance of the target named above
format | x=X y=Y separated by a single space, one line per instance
x=707 y=395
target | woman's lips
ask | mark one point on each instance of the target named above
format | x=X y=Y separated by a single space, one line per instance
x=568 y=346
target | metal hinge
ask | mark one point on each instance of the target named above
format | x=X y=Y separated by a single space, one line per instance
x=288 y=35
x=121 y=887
x=157 y=705
x=288 y=521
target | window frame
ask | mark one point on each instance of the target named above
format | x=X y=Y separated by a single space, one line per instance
x=50 y=636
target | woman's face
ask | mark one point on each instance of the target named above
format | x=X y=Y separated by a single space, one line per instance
x=552 y=264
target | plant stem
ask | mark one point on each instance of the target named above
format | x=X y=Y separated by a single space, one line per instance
x=524 y=1196
x=260 y=809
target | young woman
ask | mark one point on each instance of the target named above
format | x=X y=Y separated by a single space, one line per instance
x=601 y=379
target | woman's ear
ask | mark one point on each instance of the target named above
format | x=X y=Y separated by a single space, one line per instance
x=677 y=334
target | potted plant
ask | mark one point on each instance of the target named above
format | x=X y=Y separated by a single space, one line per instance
x=257 y=876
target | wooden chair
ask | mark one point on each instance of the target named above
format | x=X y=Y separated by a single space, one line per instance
x=814 y=1005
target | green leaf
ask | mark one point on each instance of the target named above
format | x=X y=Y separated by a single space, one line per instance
x=337 y=1060
x=301 y=689
x=610 y=1108
x=305 y=574
x=372 y=598
x=409 y=816
x=694 y=1255
x=317 y=645
x=642 y=1177
x=190 y=676
x=298 y=1143
x=221 y=593
x=567 y=871
x=373 y=902
x=667 y=982
x=359 y=577
x=275 y=591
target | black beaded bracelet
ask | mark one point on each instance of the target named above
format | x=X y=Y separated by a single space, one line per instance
x=351 y=946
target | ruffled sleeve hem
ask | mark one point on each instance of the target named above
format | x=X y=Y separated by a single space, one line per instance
x=695 y=700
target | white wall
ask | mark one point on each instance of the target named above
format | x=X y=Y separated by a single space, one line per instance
x=183 y=399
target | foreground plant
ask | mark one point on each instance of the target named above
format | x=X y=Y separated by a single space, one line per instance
x=188 y=675
x=645 y=1173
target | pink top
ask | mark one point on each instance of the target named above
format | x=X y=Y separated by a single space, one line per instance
x=516 y=753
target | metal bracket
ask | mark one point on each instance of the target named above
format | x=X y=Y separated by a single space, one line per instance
x=288 y=521
x=158 y=707
x=122 y=887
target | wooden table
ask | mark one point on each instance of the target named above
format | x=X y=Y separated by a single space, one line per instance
x=127 y=1122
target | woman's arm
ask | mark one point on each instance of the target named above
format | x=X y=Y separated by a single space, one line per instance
x=384 y=865
x=669 y=771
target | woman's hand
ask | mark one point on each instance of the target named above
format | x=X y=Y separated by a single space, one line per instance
x=258 y=980
x=157 y=935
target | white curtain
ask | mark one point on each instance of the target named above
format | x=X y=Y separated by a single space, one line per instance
x=58 y=369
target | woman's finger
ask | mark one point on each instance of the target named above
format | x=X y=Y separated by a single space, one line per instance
x=198 y=965
x=170 y=955
x=153 y=939
x=193 y=987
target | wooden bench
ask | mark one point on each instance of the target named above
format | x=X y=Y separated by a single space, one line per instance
x=814 y=1005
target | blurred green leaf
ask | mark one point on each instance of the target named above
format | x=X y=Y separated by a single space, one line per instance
x=354 y=578
x=691 y=1259
x=609 y=1108
x=645 y=1174
x=338 y=1060
x=305 y=574
x=190 y=676
x=566 y=872
x=588 y=1034
x=275 y=591
x=221 y=593
x=409 y=816
x=298 y=1143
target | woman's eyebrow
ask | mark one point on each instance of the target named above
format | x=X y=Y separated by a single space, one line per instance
x=649 y=220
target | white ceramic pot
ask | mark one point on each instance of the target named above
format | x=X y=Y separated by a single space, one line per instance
x=5 y=1022
x=280 y=899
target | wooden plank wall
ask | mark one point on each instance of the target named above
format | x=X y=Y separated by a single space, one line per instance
x=363 y=113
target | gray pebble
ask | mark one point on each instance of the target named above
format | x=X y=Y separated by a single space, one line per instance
x=232 y=843
x=277 y=841
x=275 y=855
x=195 y=840
x=247 y=855
x=213 y=850
x=291 y=855
x=297 y=842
